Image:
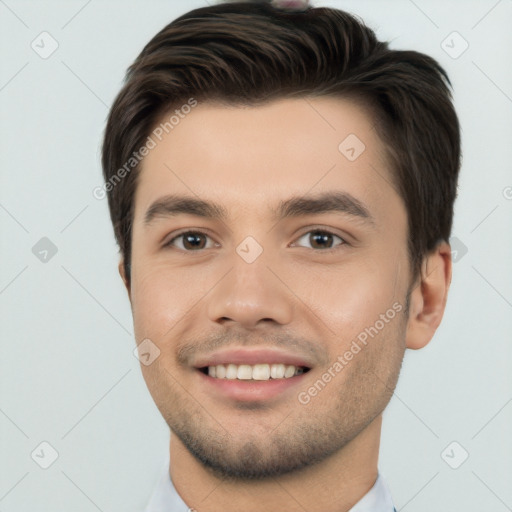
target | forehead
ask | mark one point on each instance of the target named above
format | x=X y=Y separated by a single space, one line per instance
x=258 y=156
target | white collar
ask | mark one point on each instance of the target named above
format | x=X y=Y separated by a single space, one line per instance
x=166 y=499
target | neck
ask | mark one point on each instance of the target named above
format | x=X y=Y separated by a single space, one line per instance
x=333 y=485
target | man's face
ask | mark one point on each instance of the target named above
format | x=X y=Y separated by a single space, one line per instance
x=271 y=285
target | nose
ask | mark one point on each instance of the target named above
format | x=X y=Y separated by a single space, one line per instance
x=251 y=294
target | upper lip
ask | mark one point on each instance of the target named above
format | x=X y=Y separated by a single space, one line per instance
x=240 y=356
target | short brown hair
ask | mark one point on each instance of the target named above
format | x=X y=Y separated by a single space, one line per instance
x=249 y=53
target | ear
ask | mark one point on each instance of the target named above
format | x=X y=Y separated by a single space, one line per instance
x=124 y=277
x=428 y=298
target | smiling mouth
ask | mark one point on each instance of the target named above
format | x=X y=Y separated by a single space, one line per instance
x=260 y=372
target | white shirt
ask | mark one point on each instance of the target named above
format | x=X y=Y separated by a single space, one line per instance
x=166 y=499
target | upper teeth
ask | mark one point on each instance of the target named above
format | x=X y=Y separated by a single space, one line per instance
x=254 y=372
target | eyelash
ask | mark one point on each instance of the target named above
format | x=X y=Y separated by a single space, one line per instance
x=169 y=244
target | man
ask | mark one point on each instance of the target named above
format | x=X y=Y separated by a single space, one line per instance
x=281 y=186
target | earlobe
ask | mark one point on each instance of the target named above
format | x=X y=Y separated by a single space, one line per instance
x=428 y=298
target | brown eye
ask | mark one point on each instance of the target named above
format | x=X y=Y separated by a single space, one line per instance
x=322 y=239
x=190 y=241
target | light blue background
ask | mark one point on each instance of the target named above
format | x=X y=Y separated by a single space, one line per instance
x=67 y=372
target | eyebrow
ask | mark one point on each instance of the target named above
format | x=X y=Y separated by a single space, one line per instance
x=337 y=202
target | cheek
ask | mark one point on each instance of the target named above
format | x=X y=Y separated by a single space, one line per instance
x=350 y=298
x=159 y=299
x=163 y=296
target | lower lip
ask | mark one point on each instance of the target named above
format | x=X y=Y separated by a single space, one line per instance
x=250 y=390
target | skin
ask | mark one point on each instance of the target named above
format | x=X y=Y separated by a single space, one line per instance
x=279 y=454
